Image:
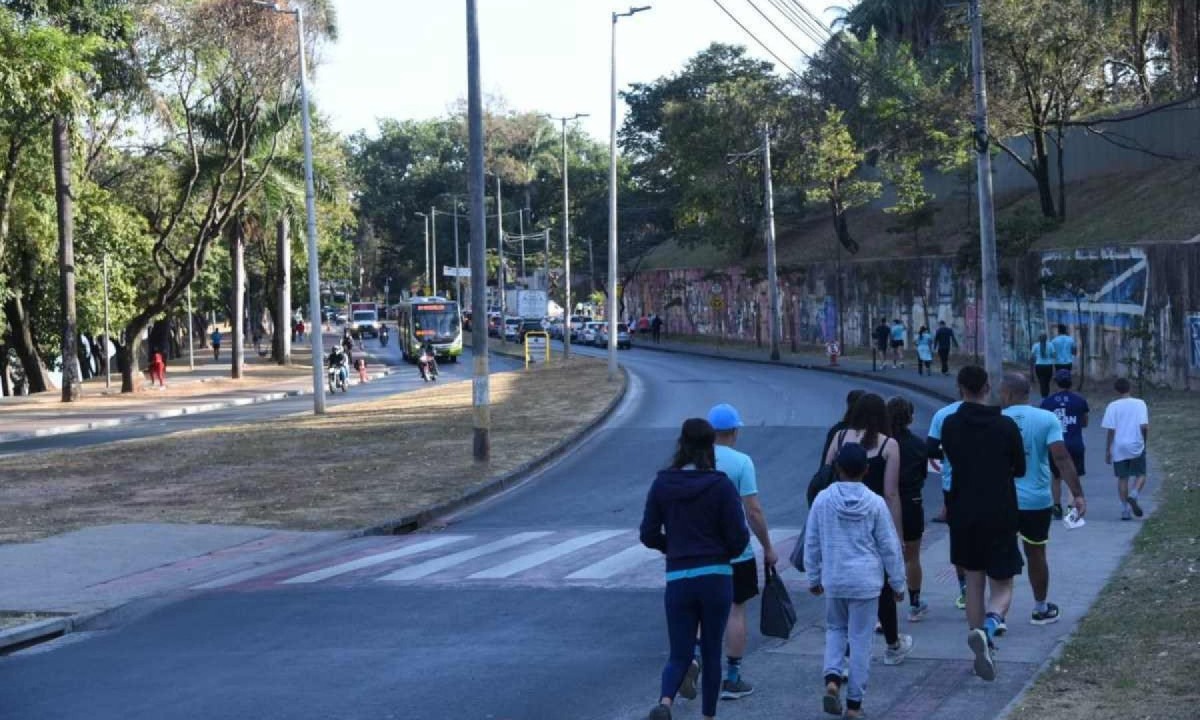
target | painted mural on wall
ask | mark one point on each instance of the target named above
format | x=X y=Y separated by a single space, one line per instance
x=1101 y=295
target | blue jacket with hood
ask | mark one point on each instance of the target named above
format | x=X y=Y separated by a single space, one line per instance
x=695 y=517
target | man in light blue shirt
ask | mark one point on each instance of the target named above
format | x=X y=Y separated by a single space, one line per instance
x=1042 y=435
x=1064 y=349
x=740 y=468
x=899 y=332
x=933 y=448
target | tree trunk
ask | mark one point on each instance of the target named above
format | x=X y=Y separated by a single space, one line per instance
x=6 y=389
x=127 y=364
x=1060 y=151
x=1041 y=173
x=21 y=340
x=281 y=343
x=237 y=252
x=72 y=385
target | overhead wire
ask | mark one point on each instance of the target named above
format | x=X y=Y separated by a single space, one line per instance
x=761 y=44
x=779 y=30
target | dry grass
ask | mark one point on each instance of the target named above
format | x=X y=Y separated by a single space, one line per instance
x=1134 y=656
x=360 y=464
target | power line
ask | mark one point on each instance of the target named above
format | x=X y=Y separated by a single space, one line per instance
x=755 y=38
x=808 y=31
x=778 y=29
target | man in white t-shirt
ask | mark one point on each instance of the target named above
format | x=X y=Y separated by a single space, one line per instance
x=1128 y=424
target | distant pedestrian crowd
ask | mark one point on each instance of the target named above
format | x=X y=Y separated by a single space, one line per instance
x=1002 y=469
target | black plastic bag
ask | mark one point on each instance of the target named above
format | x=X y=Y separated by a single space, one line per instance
x=778 y=615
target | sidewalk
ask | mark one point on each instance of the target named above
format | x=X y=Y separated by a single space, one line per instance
x=205 y=389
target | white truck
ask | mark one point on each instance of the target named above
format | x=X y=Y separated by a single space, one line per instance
x=526 y=304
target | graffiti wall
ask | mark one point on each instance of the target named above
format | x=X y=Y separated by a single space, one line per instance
x=1106 y=297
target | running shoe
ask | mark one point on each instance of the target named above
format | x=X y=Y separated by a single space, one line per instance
x=878 y=628
x=896 y=655
x=734 y=689
x=1001 y=626
x=1125 y=515
x=1045 y=618
x=660 y=712
x=688 y=687
x=961 y=602
x=1137 y=509
x=1057 y=511
x=916 y=613
x=831 y=702
x=985 y=665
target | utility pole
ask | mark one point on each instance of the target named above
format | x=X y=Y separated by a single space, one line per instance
x=612 y=199
x=500 y=249
x=993 y=354
x=64 y=195
x=521 y=232
x=482 y=413
x=425 y=280
x=192 y=331
x=433 y=247
x=566 y=238
x=772 y=270
x=546 y=263
x=457 y=266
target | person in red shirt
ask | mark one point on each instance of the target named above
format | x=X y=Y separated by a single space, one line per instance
x=158 y=370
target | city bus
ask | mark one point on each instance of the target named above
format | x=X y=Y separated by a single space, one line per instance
x=429 y=319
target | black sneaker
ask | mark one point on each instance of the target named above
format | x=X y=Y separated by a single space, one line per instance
x=687 y=688
x=660 y=712
x=1056 y=511
x=1045 y=618
x=831 y=702
x=1133 y=505
x=735 y=689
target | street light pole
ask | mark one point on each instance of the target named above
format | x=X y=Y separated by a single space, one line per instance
x=566 y=235
x=425 y=279
x=192 y=332
x=772 y=267
x=107 y=337
x=480 y=400
x=310 y=199
x=433 y=248
x=457 y=273
x=500 y=249
x=612 y=200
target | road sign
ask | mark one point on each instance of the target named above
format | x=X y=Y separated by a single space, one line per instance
x=537 y=344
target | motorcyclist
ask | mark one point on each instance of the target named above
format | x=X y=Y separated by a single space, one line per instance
x=428 y=361
x=339 y=360
x=383 y=334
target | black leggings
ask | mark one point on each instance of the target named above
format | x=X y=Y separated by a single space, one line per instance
x=1044 y=373
x=887 y=613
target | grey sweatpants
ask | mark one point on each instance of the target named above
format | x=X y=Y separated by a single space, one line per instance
x=853 y=622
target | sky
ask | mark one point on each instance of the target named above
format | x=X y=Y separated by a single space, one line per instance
x=406 y=59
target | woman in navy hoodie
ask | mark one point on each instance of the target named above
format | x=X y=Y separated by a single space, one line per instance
x=694 y=516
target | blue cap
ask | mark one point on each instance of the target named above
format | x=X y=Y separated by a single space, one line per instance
x=1063 y=375
x=851 y=460
x=724 y=417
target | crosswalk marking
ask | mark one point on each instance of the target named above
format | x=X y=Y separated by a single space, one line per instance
x=377 y=559
x=627 y=559
x=429 y=567
x=525 y=562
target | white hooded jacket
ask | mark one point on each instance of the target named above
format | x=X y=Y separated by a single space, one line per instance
x=850 y=541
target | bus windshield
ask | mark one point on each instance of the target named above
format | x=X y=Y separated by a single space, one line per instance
x=436 y=325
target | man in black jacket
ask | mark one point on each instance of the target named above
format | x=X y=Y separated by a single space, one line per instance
x=986 y=454
x=943 y=339
x=881 y=335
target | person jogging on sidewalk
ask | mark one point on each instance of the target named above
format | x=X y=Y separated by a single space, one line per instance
x=933 y=450
x=1041 y=434
x=943 y=339
x=694 y=516
x=1042 y=357
x=1072 y=410
x=1128 y=424
x=1064 y=349
x=216 y=343
x=868 y=427
x=897 y=334
x=914 y=467
x=882 y=336
x=924 y=351
x=850 y=547
x=988 y=455
x=740 y=468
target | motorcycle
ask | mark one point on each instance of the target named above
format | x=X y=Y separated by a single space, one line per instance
x=427 y=364
x=337 y=378
x=383 y=336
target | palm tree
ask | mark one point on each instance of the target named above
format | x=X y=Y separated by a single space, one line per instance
x=916 y=22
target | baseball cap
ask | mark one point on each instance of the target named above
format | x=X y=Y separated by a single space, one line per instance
x=851 y=460
x=724 y=417
x=1063 y=375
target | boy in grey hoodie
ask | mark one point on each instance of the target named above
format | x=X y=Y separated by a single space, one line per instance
x=849 y=542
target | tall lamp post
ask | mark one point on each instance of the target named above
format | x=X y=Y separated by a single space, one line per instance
x=566 y=236
x=425 y=280
x=314 y=271
x=480 y=390
x=612 y=200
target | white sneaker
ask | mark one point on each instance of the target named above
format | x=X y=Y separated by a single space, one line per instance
x=896 y=655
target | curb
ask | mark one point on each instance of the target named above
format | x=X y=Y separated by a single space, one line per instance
x=22 y=636
x=417 y=520
x=898 y=382
x=165 y=414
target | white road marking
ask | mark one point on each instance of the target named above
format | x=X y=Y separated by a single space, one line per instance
x=429 y=567
x=627 y=559
x=377 y=559
x=553 y=552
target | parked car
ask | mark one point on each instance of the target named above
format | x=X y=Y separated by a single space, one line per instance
x=590 y=330
x=528 y=325
x=555 y=329
x=624 y=340
x=512 y=327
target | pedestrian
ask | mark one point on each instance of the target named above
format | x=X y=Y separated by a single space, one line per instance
x=1042 y=438
x=988 y=456
x=1042 y=355
x=158 y=370
x=1128 y=424
x=867 y=427
x=882 y=335
x=656 y=326
x=694 y=516
x=914 y=467
x=851 y=398
x=924 y=351
x=216 y=343
x=850 y=547
x=943 y=340
x=933 y=449
x=739 y=467
x=898 y=333
x=1064 y=349
x=1072 y=410
x=300 y=328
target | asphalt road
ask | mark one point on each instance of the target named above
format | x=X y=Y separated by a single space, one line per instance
x=532 y=606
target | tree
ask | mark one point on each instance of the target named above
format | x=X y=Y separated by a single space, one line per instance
x=914 y=210
x=916 y=23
